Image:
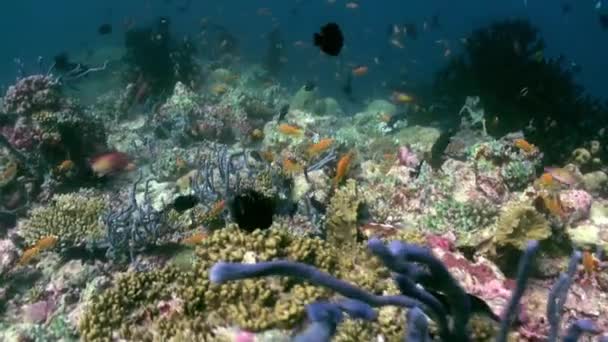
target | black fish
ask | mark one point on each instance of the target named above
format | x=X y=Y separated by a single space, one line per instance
x=309 y=86
x=411 y=31
x=283 y=112
x=104 y=29
x=435 y=22
x=183 y=203
x=252 y=210
x=330 y=40
x=603 y=18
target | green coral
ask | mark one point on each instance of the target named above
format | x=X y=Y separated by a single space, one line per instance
x=341 y=223
x=519 y=224
x=253 y=304
x=72 y=218
x=461 y=216
x=518 y=173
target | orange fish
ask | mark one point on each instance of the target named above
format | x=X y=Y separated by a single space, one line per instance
x=65 y=166
x=111 y=163
x=360 y=70
x=550 y=203
x=290 y=166
x=288 y=129
x=319 y=147
x=401 y=98
x=42 y=244
x=342 y=168
x=546 y=181
x=524 y=145
x=217 y=208
x=195 y=239
x=590 y=263
x=180 y=163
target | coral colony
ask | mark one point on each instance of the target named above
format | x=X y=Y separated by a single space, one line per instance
x=198 y=198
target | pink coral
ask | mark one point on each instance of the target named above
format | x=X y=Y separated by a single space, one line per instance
x=39 y=311
x=32 y=93
x=577 y=204
x=21 y=135
x=407 y=157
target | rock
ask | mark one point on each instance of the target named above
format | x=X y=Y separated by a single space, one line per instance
x=599 y=213
x=420 y=138
x=586 y=234
x=595 y=182
x=8 y=256
x=161 y=194
x=304 y=100
x=577 y=204
x=328 y=106
x=381 y=106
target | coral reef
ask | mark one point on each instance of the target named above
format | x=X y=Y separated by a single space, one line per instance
x=73 y=218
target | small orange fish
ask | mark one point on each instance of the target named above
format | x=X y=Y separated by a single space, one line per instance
x=195 y=239
x=360 y=70
x=180 y=163
x=217 y=208
x=590 y=263
x=110 y=163
x=524 y=145
x=42 y=244
x=65 y=166
x=290 y=166
x=319 y=147
x=401 y=98
x=267 y=156
x=342 y=168
x=546 y=182
x=288 y=129
x=550 y=203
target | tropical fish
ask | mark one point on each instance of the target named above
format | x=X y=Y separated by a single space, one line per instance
x=111 y=163
x=40 y=246
x=217 y=209
x=330 y=40
x=319 y=147
x=195 y=239
x=524 y=145
x=401 y=98
x=590 y=263
x=360 y=70
x=65 y=166
x=342 y=168
x=291 y=166
x=563 y=175
x=291 y=130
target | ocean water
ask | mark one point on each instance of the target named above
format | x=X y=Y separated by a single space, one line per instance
x=303 y=170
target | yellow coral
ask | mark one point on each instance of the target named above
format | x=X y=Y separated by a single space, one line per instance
x=341 y=226
x=73 y=218
x=520 y=223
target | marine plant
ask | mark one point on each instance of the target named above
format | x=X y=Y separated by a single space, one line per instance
x=201 y=305
x=411 y=265
x=504 y=64
x=73 y=218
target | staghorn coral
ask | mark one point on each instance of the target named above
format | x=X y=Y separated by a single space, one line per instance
x=73 y=218
x=271 y=303
x=341 y=224
x=518 y=224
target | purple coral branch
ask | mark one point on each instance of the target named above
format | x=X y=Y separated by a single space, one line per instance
x=523 y=274
x=558 y=295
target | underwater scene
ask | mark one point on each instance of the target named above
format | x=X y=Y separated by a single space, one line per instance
x=304 y=170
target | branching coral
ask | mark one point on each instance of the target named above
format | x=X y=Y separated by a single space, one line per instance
x=271 y=303
x=341 y=222
x=72 y=218
x=31 y=94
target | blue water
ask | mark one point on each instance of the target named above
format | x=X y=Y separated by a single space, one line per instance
x=32 y=28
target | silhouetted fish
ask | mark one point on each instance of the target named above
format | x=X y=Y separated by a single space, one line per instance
x=183 y=203
x=283 y=112
x=104 y=29
x=603 y=18
x=330 y=40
